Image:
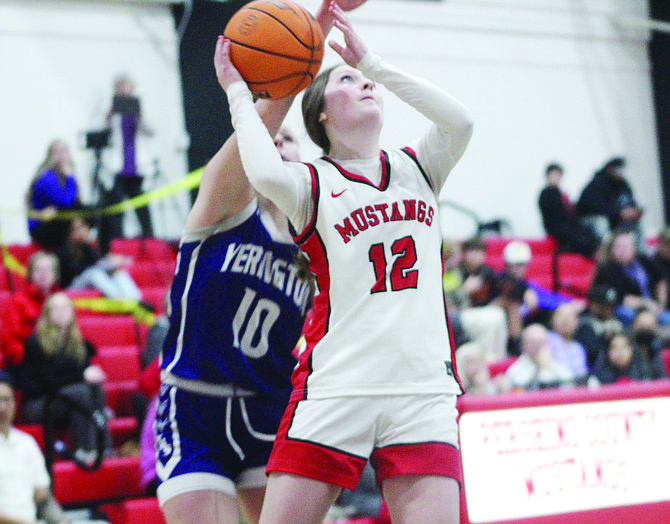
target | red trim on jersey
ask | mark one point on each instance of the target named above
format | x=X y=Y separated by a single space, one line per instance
x=311 y=460
x=429 y=458
x=299 y=237
x=386 y=171
x=318 y=264
x=412 y=154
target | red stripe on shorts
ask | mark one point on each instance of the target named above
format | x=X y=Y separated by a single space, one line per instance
x=311 y=460
x=431 y=458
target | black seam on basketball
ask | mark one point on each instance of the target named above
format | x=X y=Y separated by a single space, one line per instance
x=273 y=53
x=298 y=39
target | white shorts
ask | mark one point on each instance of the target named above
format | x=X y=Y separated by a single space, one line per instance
x=331 y=439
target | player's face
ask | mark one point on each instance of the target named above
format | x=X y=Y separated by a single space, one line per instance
x=287 y=145
x=349 y=98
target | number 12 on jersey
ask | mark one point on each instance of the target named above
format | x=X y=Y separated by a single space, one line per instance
x=401 y=275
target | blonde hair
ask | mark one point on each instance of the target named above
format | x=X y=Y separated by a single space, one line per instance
x=51 y=339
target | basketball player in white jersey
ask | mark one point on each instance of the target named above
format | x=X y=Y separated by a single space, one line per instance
x=376 y=381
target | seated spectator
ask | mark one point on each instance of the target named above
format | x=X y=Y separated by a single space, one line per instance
x=607 y=202
x=517 y=298
x=53 y=188
x=25 y=486
x=57 y=361
x=564 y=348
x=597 y=323
x=23 y=309
x=636 y=279
x=536 y=368
x=560 y=219
x=621 y=362
x=82 y=266
x=473 y=370
x=647 y=336
x=472 y=303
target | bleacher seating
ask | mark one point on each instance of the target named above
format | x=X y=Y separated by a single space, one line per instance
x=566 y=273
x=119 y=338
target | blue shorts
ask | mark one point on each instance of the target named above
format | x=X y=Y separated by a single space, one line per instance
x=213 y=443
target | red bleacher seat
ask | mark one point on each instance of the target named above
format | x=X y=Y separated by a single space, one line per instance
x=144 y=249
x=117 y=478
x=665 y=355
x=152 y=273
x=118 y=395
x=109 y=330
x=134 y=511
x=119 y=363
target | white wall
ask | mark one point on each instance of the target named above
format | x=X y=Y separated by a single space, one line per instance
x=58 y=60
x=546 y=80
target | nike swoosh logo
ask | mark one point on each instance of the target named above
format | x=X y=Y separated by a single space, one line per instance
x=335 y=195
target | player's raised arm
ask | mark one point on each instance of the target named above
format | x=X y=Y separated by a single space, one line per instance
x=224 y=189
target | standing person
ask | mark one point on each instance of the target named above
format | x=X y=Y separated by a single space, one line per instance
x=53 y=188
x=559 y=217
x=362 y=390
x=238 y=303
x=23 y=309
x=126 y=122
x=25 y=486
x=57 y=361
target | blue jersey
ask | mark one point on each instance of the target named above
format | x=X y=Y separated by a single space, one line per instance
x=238 y=306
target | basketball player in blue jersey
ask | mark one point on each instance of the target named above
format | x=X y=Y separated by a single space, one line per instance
x=376 y=380
x=238 y=303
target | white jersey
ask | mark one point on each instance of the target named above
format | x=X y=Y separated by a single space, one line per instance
x=380 y=324
x=373 y=235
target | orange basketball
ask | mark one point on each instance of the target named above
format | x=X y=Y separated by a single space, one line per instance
x=276 y=45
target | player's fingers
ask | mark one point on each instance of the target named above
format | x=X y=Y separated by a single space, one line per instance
x=336 y=47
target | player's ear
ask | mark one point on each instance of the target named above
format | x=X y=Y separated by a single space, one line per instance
x=322 y=116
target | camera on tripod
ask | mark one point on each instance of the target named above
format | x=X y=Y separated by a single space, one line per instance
x=98 y=139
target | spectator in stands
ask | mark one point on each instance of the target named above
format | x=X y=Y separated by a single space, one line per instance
x=598 y=323
x=83 y=267
x=25 y=486
x=23 y=309
x=564 y=348
x=57 y=362
x=560 y=219
x=636 y=278
x=661 y=254
x=536 y=367
x=607 y=202
x=517 y=298
x=473 y=370
x=472 y=303
x=646 y=335
x=622 y=362
x=53 y=188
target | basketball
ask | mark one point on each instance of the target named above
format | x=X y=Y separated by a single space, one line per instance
x=276 y=45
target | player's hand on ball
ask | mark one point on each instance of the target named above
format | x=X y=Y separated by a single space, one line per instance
x=355 y=48
x=350 y=5
x=225 y=70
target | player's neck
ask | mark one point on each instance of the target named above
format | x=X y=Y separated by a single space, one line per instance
x=353 y=149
